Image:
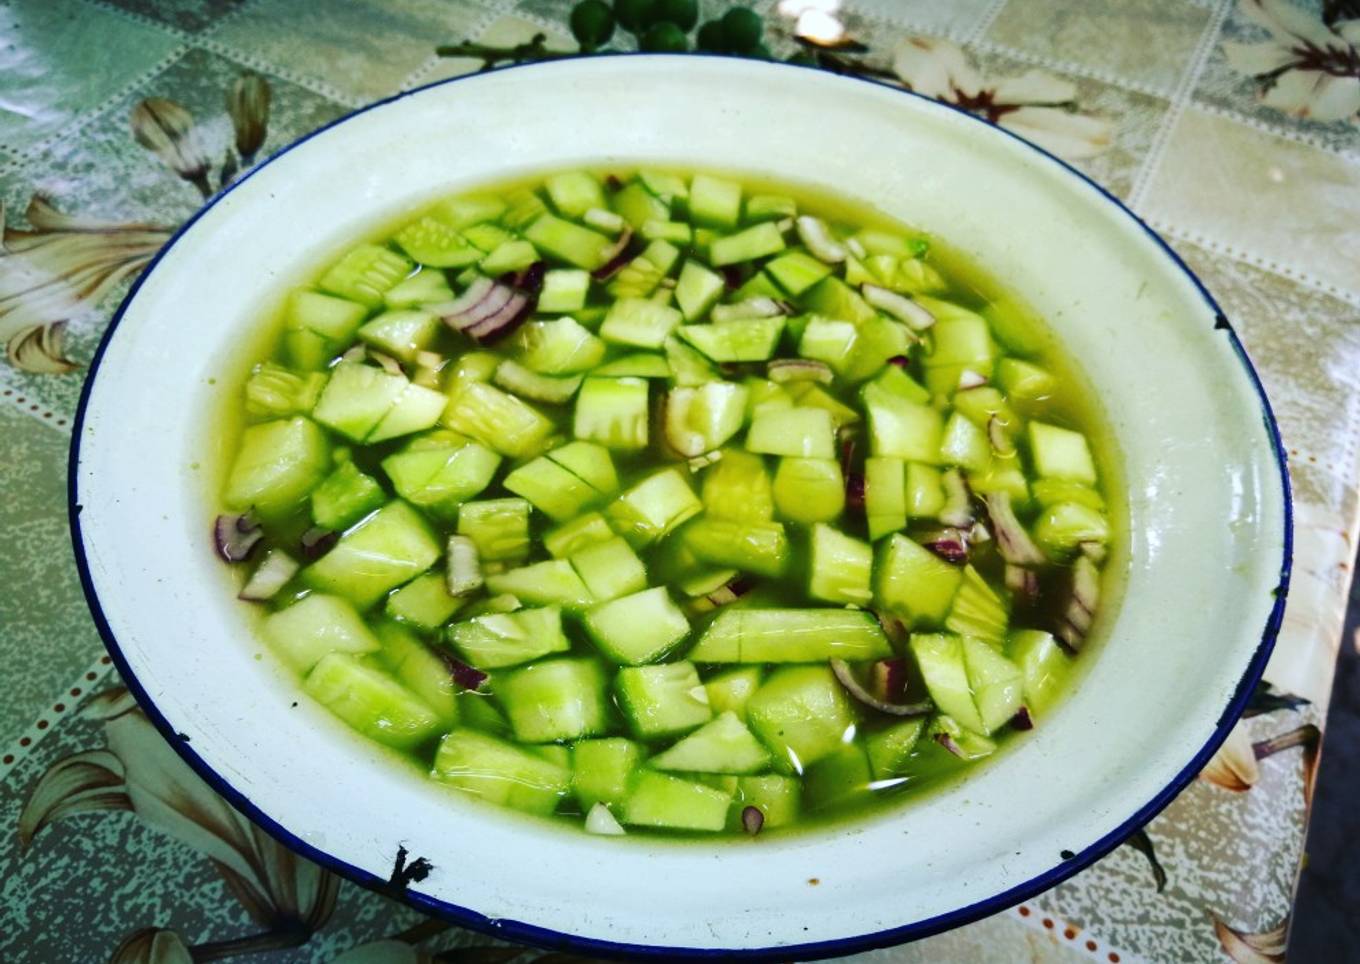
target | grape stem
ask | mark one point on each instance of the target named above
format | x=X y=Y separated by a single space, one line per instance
x=534 y=50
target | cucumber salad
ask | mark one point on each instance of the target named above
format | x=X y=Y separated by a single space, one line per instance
x=666 y=503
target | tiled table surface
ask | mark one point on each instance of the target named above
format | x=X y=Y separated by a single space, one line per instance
x=107 y=839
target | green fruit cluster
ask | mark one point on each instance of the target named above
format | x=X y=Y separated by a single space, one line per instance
x=663 y=26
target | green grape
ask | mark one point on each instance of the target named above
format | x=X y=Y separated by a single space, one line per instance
x=742 y=29
x=683 y=13
x=664 y=38
x=635 y=16
x=592 y=23
x=759 y=52
x=711 y=38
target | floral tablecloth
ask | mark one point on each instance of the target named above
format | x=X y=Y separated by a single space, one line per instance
x=1229 y=125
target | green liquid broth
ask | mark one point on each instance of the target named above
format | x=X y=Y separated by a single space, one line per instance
x=842 y=784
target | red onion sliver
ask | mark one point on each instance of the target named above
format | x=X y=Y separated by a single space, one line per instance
x=899 y=306
x=1022 y=720
x=817 y=238
x=270 y=576
x=890 y=679
x=316 y=542
x=900 y=361
x=1012 y=539
x=462 y=674
x=971 y=379
x=947 y=741
x=951 y=545
x=854 y=492
x=784 y=370
x=355 y=354
x=1024 y=583
x=1080 y=609
x=236 y=536
x=846 y=677
x=752 y=819
x=504 y=321
x=388 y=363
x=897 y=632
x=471 y=298
x=731 y=275
x=616 y=257
x=958 y=506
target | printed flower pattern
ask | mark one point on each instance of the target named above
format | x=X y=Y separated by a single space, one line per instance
x=1306 y=69
x=1036 y=105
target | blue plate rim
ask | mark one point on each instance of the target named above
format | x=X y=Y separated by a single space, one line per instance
x=557 y=940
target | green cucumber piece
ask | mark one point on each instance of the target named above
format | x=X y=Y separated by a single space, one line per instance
x=1049 y=492
x=802 y=714
x=561 y=347
x=1060 y=453
x=941 y=662
x=652 y=508
x=385 y=550
x=700 y=419
x=660 y=229
x=833 y=298
x=274 y=391
x=778 y=798
x=441 y=470
x=698 y=289
x=639 y=322
x=688 y=367
x=637 y=205
x=723 y=745
x=662 y=700
x=659 y=800
x=500 y=772
x=797 y=271
x=773 y=207
x=729 y=692
x=511 y=255
x=421 y=288
x=497 y=640
x=1062 y=527
x=757 y=241
x=639 y=277
x=997 y=684
x=365 y=273
x=639 y=365
x=277 y=465
x=885 y=496
x=639 y=628
x=791 y=636
x=550 y=583
x=838 y=779
x=487 y=237
x=424 y=602
x=899 y=428
x=499 y=527
x=581 y=532
x=370 y=701
x=714 y=201
x=569 y=242
x=589 y=462
x=496 y=419
x=962 y=341
x=527 y=383
x=804 y=432
x=345 y=497
x=1024 y=380
x=564 y=289
x=610 y=569
x=828 y=340
x=737 y=487
x=602 y=770
x=436 y=243
x=977 y=610
x=809 y=490
x=401 y=333
x=314 y=626
x=557 y=699
x=964 y=444
x=613 y=412
x=1044 y=666
x=879 y=339
x=420 y=671
x=924 y=491
x=318 y=326
x=751 y=546
x=667 y=187
x=573 y=193
x=839 y=567
x=913 y=582
x=747 y=340
x=469 y=209
x=890 y=749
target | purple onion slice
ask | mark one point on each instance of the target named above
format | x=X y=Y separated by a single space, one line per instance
x=460 y=672
x=897 y=632
x=316 y=542
x=1022 y=720
x=1022 y=582
x=1080 y=608
x=469 y=299
x=898 y=306
x=269 y=577
x=505 y=320
x=958 y=501
x=236 y=536
x=846 y=677
x=784 y=370
x=752 y=819
x=949 y=544
x=724 y=595
x=616 y=257
x=890 y=679
x=1012 y=539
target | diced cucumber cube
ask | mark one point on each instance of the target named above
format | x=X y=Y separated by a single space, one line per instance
x=750 y=339
x=977 y=610
x=755 y=242
x=436 y=243
x=314 y=626
x=667 y=187
x=602 y=770
x=701 y=419
x=896 y=382
x=554 y=490
x=470 y=209
x=714 y=201
x=752 y=546
x=496 y=419
x=890 y=749
x=365 y=273
x=885 y=496
x=418 y=669
x=390 y=547
x=639 y=628
x=698 y=289
x=401 y=333
x=512 y=255
x=828 y=340
x=924 y=491
x=688 y=367
x=1004 y=475
x=652 y=508
x=317 y=326
x=523 y=207
x=1061 y=528
x=659 y=800
x=581 y=532
x=277 y=465
x=802 y=714
x=550 y=583
x=564 y=289
x=980 y=404
x=833 y=298
x=791 y=636
x=421 y=288
x=497 y=640
x=778 y=798
x=773 y=207
x=729 y=692
x=838 y=779
x=662 y=700
x=809 y=490
x=613 y=412
x=1043 y=665
x=345 y=497
x=558 y=699
x=962 y=341
x=487 y=237
x=370 y=701
x=639 y=277
x=797 y=271
x=474 y=366
x=805 y=432
x=500 y=772
x=573 y=193
x=1053 y=491
x=965 y=445
x=723 y=745
x=1060 y=453
x=997 y=683
x=660 y=229
x=737 y=487
x=839 y=567
x=610 y=569
x=879 y=339
x=902 y=429
x=561 y=347
x=274 y=391
x=637 y=205
x=940 y=660
x=1022 y=379
x=966 y=746
x=590 y=462
x=639 y=365
x=639 y=322
x=478 y=711
x=913 y=582
x=424 y=602
x=569 y=242
x=441 y=470
x=499 y=527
